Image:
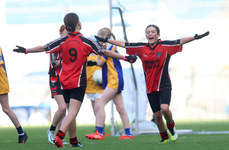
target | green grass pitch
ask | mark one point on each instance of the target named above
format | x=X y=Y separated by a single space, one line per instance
x=38 y=139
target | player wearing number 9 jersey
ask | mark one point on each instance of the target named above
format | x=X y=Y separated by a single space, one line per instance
x=74 y=50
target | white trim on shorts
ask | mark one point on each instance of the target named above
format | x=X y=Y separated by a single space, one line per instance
x=93 y=96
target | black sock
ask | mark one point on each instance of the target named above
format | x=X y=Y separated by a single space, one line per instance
x=60 y=134
x=164 y=135
x=20 y=130
x=52 y=128
x=73 y=140
x=170 y=127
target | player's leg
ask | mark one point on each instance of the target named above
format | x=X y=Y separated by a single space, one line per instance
x=93 y=106
x=97 y=98
x=92 y=98
x=58 y=127
x=118 y=101
x=74 y=108
x=165 y=102
x=61 y=111
x=22 y=136
x=154 y=100
x=75 y=98
x=107 y=95
x=61 y=108
x=56 y=92
x=58 y=117
x=7 y=110
x=161 y=127
x=72 y=135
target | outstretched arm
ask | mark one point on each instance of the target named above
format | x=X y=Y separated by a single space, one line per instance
x=130 y=58
x=196 y=37
x=117 y=43
x=36 y=49
x=114 y=42
x=113 y=54
x=100 y=62
x=21 y=49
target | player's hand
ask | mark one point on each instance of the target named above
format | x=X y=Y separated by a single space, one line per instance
x=101 y=39
x=130 y=58
x=197 y=37
x=52 y=72
x=91 y=63
x=20 y=49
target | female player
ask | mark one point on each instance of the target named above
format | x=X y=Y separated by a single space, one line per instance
x=113 y=85
x=4 y=101
x=56 y=91
x=74 y=49
x=155 y=56
x=93 y=90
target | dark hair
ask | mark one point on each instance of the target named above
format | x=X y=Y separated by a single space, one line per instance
x=156 y=27
x=70 y=21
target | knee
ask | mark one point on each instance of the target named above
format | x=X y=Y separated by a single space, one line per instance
x=6 y=110
x=158 y=116
x=62 y=108
x=165 y=109
x=119 y=109
x=97 y=108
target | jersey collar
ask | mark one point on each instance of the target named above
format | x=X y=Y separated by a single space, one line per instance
x=152 y=48
x=74 y=33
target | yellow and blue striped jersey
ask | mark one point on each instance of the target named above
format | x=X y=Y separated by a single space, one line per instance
x=4 y=85
x=92 y=87
x=112 y=70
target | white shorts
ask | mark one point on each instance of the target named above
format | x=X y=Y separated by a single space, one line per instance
x=93 y=96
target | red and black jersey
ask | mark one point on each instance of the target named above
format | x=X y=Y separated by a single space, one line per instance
x=54 y=58
x=74 y=50
x=155 y=61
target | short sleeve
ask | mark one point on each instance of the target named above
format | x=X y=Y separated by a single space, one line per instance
x=92 y=46
x=172 y=47
x=134 y=48
x=54 y=46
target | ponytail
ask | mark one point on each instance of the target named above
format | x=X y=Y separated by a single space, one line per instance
x=70 y=28
x=70 y=21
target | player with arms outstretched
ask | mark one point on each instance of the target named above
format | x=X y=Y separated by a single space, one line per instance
x=155 y=56
x=74 y=50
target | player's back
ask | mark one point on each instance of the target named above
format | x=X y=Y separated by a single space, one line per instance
x=74 y=50
x=74 y=55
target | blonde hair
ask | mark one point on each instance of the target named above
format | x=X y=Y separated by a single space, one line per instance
x=107 y=32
